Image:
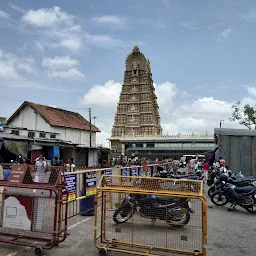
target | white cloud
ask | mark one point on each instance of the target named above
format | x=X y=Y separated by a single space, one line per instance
x=165 y=93
x=16 y=8
x=252 y=92
x=59 y=62
x=103 y=41
x=109 y=19
x=47 y=17
x=8 y=72
x=226 y=33
x=106 y=95
x=74 y=44
x=62 y=67
x=249 y=16
x=71 y=73
x=11 y=66
x=4 y=15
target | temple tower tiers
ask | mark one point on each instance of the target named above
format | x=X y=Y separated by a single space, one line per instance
x=137 y=111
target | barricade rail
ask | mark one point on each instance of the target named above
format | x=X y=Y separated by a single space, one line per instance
x=150 y=216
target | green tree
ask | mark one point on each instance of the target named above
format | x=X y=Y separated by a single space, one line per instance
x=245 y=116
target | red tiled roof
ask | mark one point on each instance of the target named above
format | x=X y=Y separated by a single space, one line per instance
x=58 y=117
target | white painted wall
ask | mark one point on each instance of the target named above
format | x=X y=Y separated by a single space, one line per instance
x=31 y=120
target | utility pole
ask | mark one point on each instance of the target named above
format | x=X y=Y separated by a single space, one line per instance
x=90 y=120
x=221 y=122
x=95 y=117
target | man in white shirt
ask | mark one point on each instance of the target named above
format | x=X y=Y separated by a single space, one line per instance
x=70 y=166
x=40 y=167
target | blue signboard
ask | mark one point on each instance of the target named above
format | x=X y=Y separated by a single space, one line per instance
x=1 y=126
x=108 y=179
x=148 y=172
x=141 y=171
x=134 y=171
x=90 y=183
x=123 y=173
x=71 y=187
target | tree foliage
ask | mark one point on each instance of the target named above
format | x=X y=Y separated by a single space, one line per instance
x=245 y=116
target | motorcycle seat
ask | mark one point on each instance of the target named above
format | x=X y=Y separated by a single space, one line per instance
x=165 y=200
x=246 y=189
x=238 y=181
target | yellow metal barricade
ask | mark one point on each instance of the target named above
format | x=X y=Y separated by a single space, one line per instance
x=155 y=216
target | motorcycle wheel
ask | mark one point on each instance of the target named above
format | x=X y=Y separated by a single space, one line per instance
x=180 y=222
x=252 y=208
x=211 y=191
x=219 y=198
x=123 y=219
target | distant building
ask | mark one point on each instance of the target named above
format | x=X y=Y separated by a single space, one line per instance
x=54 y=131
x=167 y=146
x=137 y=130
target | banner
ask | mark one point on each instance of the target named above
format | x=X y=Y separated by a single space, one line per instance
x=134 y=171
x=141 y=171
x=90 y=183
x=108 y=179
x=148 y=172
x=71 y=187
x=124 y=173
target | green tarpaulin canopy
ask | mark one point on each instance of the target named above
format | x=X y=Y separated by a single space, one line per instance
x=19 y=148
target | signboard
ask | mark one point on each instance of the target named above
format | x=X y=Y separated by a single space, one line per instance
x=124 y=173
x=1 y=126
x=134 y=171
x=71 y=187
x=17 y=175
x=108 y=179
x=148 y=172
x=17 y=212
x=90 y=183
x=141 y=171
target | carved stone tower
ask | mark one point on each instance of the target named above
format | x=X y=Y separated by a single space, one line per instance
x=137 y=111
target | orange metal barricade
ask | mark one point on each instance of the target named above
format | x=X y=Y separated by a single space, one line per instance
x=154 y=217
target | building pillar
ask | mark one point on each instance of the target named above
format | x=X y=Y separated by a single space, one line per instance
x=123 y=149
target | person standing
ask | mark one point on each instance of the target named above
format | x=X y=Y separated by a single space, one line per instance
x=55 y=161
x=192 y=164
x=175 y=165
x=40 y=167
x=222 y=162
x=206 y=169
x=70 y=166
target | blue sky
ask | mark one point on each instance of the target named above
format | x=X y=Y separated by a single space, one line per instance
x=73 y=56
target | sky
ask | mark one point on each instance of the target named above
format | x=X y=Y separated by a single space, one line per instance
x=71 y=55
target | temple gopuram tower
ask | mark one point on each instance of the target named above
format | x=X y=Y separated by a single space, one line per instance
x=137 y=112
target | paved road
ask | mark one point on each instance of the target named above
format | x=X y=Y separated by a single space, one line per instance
x=229 y=234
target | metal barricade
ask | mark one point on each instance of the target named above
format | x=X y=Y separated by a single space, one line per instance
x=81 y=185
x=155 y=216
x=31 y=208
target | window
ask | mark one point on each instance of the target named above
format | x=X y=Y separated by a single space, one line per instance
x=42 y=135
x=31 y=134
x=53 y=136
x=16 y=132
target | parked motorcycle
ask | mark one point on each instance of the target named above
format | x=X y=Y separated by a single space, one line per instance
x=175 y=211
x=237 y=179
x=245 y=196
